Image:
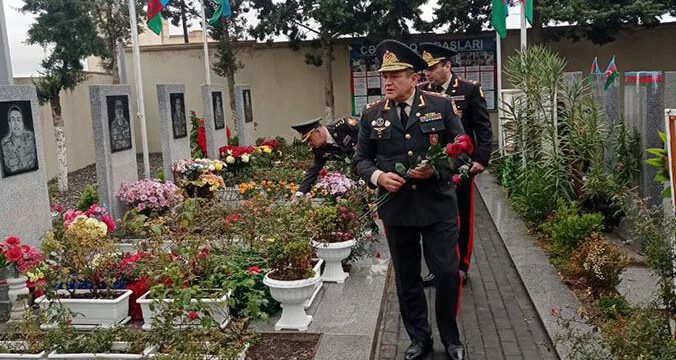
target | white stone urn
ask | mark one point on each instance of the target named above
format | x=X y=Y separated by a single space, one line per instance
x=292 y=294
x=18 y=296
x=333 y=254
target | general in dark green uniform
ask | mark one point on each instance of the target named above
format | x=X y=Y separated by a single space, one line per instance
x=472 y=110
x=335 y=141
x=398 y=129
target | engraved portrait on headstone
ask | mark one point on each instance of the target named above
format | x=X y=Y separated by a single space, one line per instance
x=248 y=112
x=17 y=138
x=118 y=118
x=178 y=115
x=219 y=119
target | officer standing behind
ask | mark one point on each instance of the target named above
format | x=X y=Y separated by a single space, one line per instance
x=335 y=141
x=398 y=129
x=471 y=104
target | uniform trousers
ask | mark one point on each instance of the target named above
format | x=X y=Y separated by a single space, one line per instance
x=439 y=245
x=465 y=195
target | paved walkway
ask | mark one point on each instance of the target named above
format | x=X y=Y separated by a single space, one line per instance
x=497 y=319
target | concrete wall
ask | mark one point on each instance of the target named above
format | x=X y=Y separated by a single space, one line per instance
x=284 y=90
x=78 y=122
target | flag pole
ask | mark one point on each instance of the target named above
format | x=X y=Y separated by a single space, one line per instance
x=6 y=75
x=498 y=56
x=139 y=87
x=204 y=41
x=524 y=41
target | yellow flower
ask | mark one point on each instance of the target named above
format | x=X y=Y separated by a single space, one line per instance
x=218 y=166
x=266 y=149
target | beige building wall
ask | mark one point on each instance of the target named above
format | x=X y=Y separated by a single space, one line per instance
x=284 y=90
x=78 y=125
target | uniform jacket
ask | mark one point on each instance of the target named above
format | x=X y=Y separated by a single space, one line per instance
x=344 y=132
x=383 y=142
x=474 y=114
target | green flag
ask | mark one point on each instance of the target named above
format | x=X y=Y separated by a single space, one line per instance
x=222 y=11
x=499 y=14
x=529 y=10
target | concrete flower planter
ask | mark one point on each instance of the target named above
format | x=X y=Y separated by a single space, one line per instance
x=292 y=294
x=333 y=254
x=318 y=270
x=133 y=245
x=218 y=309
x=241 y=356
x=117 y=353
x=17 y=346
x=93 y=312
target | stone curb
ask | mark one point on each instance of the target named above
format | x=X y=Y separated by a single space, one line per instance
x=540 y=278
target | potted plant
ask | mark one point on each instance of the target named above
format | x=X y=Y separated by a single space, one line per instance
x=292 y=279
x=118 y=343
x=80 y=273
x=23 y=340
x=150 y=196
x=191 y=287
x=18 y=260
x=334 y=238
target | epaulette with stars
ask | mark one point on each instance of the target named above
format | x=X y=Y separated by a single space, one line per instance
x=374 y=104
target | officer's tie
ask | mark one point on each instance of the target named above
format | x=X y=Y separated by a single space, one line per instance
x=402 y=114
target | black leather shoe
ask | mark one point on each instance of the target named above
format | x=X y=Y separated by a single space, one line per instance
x=428 y=280
x=418 y=351
x=455 y=352
x=465 y=277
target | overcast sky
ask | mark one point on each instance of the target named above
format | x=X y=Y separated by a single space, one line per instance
x=26 y=59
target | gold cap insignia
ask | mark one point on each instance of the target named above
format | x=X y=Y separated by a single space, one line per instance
x=389 y=58
x=391 y=63
x=427 y=57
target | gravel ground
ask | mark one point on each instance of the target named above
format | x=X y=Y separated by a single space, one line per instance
x=77 y=180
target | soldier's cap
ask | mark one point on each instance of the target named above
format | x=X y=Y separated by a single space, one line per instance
x=305 y=129
x=434 y=54
x=396 y=56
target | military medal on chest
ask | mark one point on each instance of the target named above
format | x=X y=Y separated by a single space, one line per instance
x=380 y=125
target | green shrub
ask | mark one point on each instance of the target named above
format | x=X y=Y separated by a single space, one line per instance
x=601 y=193
x=613 y=306
x=600 y=263
x=568 y=228
x=532 y=197
x=643 y=335
x=88 y=198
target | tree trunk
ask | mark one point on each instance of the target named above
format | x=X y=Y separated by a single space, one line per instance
x=327 y=61
x=184 y=20
x=538 y=27
x=60 y=135
x=114 y=70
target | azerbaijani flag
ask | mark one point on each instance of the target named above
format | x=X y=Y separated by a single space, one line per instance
x=528 y=5
x=499 y=12
x=595 y=69
x=222 y=11
x=154 y=18
x=611 y=74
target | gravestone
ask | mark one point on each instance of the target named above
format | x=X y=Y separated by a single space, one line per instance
x=214 y=119
x=6 y=76
x=24 y=199
x=572 y=76
x=173 y=126
x=608 y=103
x=670 y=89
x=114 y=143
x=245 y=119
x=644 y=112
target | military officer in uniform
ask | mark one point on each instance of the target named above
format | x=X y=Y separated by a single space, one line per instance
x=18 y=147
x=335 y=141
x=477 y=124
x=399 y=129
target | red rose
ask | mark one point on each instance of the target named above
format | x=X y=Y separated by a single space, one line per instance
x=13 y=254
x=203 y=253
x=453 y=150
x=12 y=240
x=193 y=315
x=456 y=179
x=466 y=142
x=254 y=269
x=323 y=172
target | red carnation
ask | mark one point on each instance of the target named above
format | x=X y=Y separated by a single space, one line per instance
x=227 y=133
x=254 y=269
x=12 y=240
x=193 y=315
x=14 y=254
x=454 y=150
x=323 y=172
x=456 y=179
